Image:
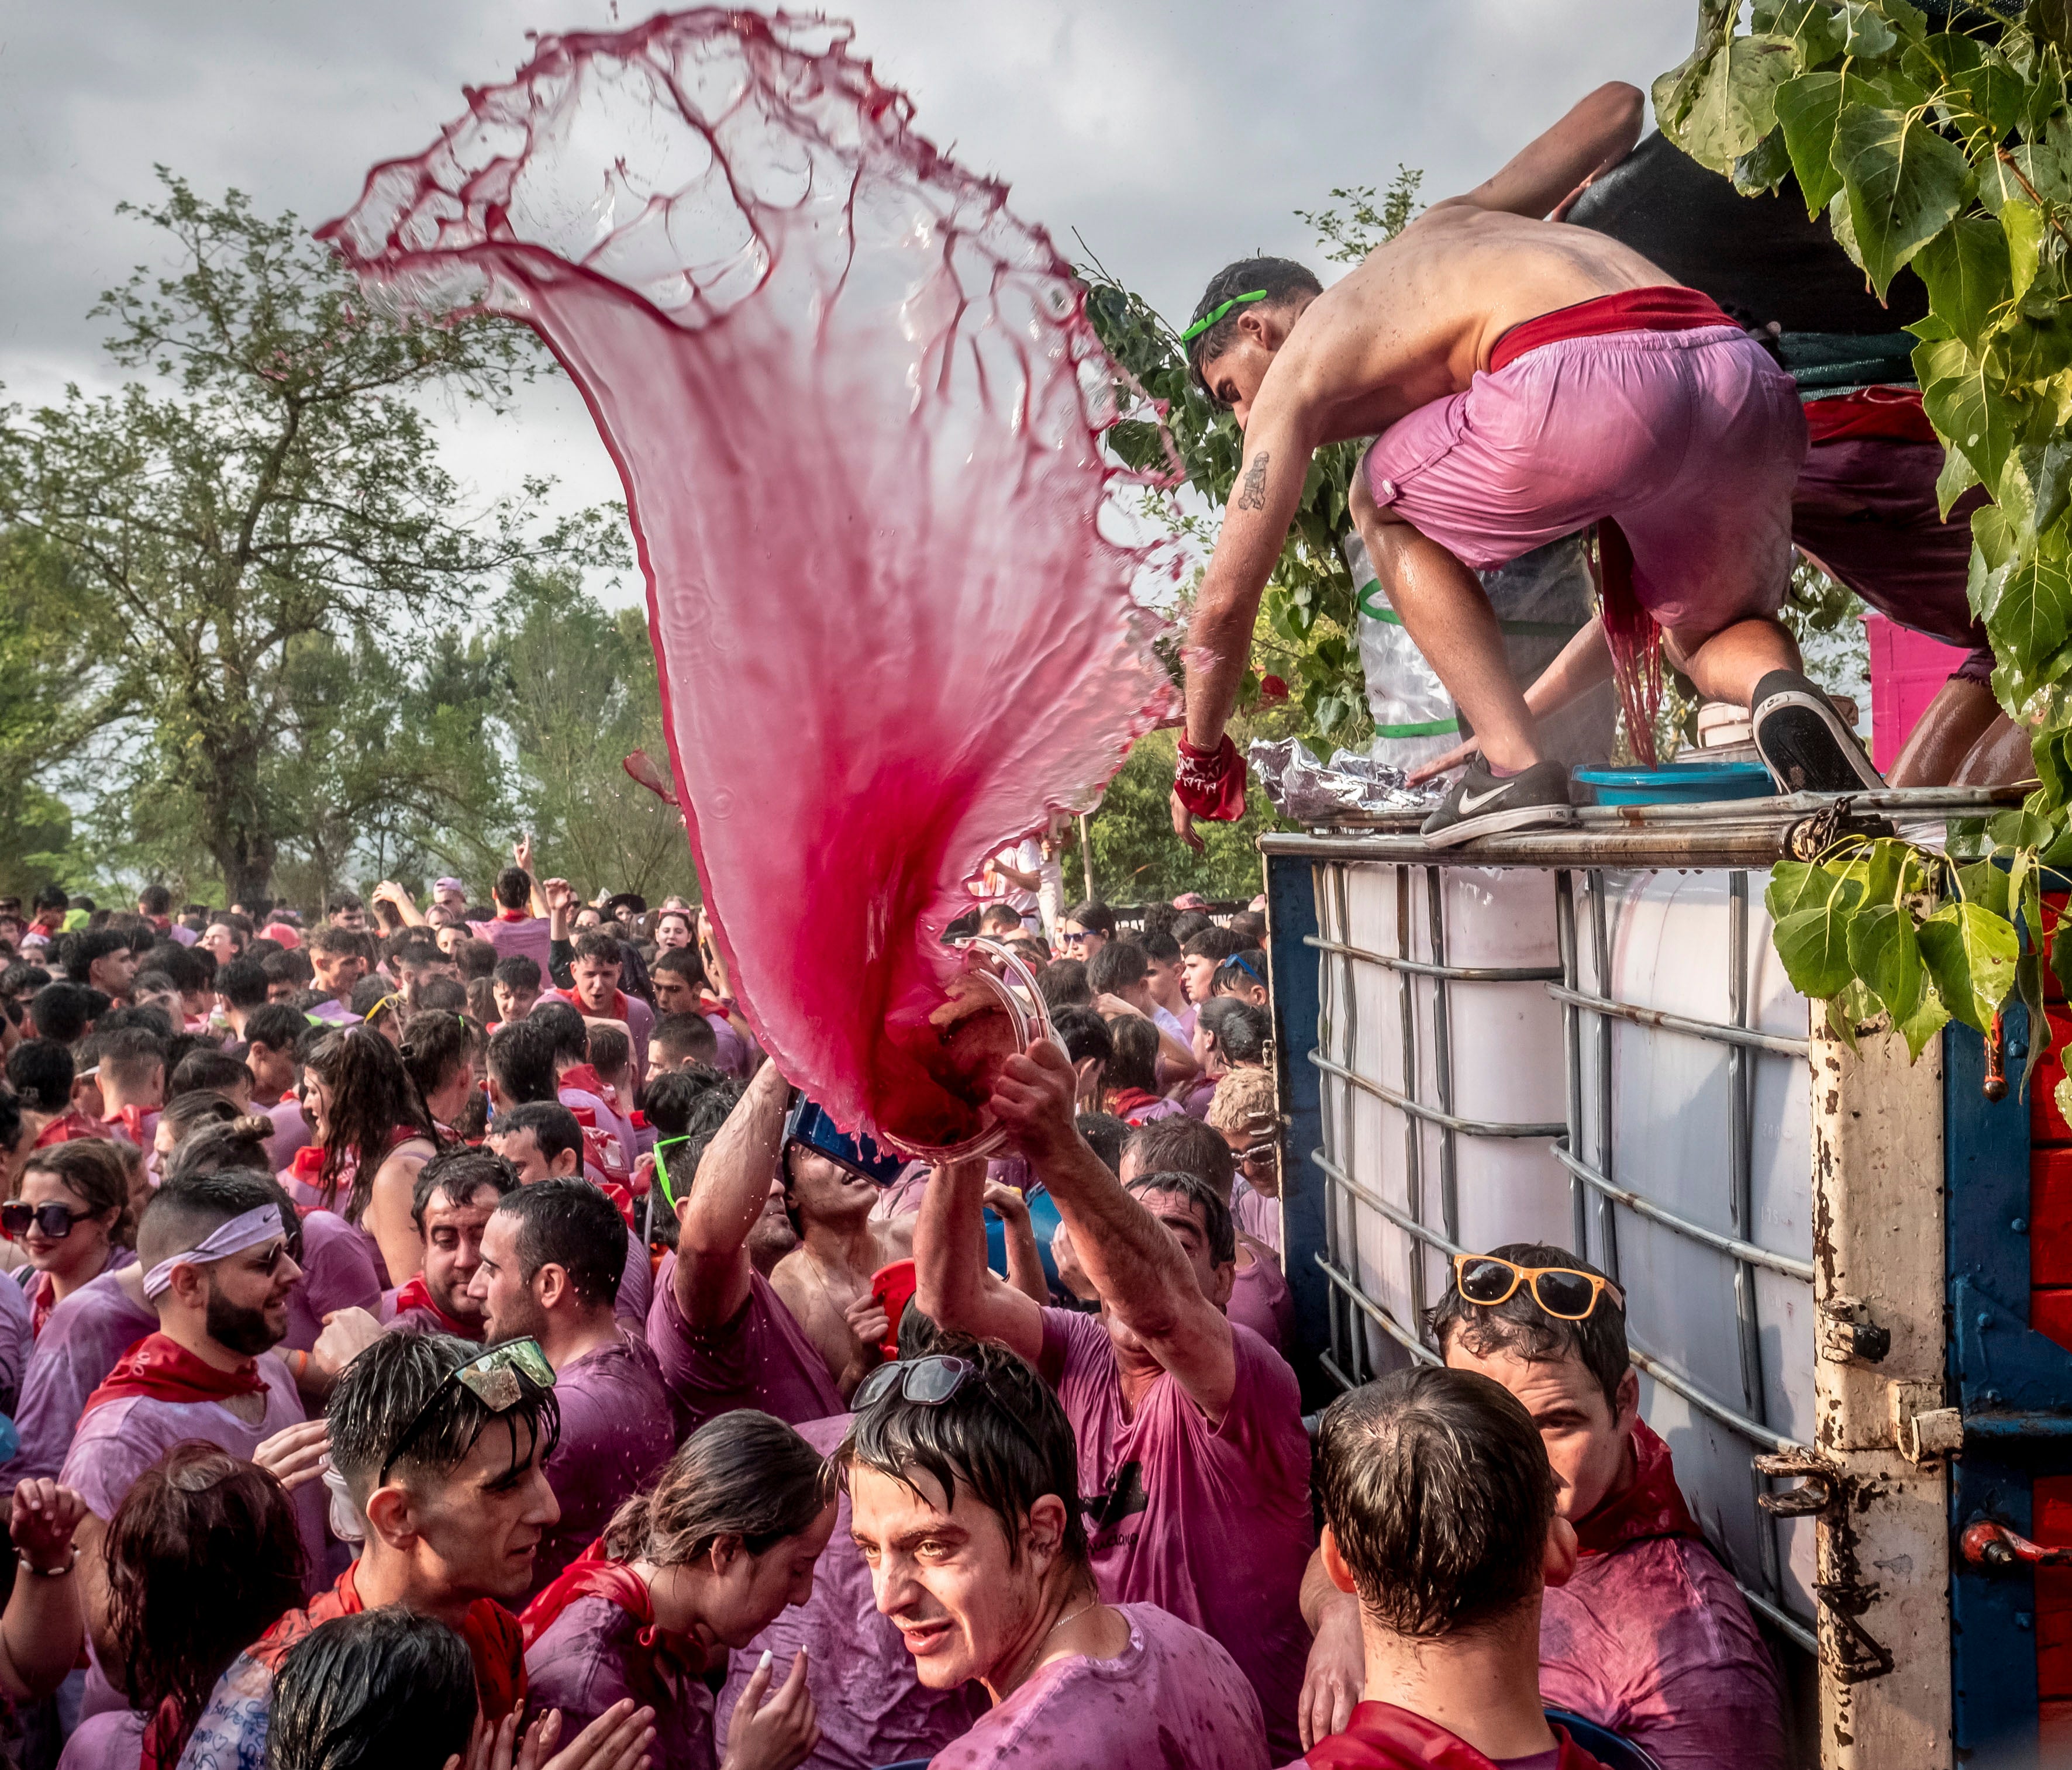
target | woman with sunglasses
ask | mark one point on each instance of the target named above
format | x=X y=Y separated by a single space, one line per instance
x=725 y=1541
x=71 y=1215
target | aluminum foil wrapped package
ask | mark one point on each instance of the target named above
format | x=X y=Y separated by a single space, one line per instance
x=1308 y=791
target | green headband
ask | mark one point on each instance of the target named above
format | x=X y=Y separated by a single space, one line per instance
x=1209 y=318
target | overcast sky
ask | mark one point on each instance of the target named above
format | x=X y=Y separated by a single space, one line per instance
x=1172 y=136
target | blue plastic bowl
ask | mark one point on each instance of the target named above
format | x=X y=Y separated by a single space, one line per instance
x=1677 y=783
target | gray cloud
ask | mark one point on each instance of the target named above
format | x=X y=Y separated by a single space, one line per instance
x=1171 y=136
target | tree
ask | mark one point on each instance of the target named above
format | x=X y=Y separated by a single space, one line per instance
x=245 y=545
x=1136 y=860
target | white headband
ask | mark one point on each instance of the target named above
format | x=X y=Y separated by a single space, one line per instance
x=224 y=1240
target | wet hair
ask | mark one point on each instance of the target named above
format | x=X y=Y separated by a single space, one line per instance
x=149 y=1016
x=1135 y=1061
x=476 y=958
x=1519 y=1326
x=372 y=1097
x=292 y=967
x=1104 y=1134
x=22 y=976
x=207 y=1072
x=414 y=950
x=435 y=1044
x=570 y=1224
x=601 y=945
x=744 y=1474
x=513 y=888
x=1116 y=968
x=191 y=968
x=677 y=1036
x=1159 y=945
x=242 y=983
x=1084 y=1033
x=1096 y=918
x=521 y=1058
x=203 y=1557
x=441 y=995
x=40 y=1071
x=1182 y=1145
x=79 y=952
x=1282 y=279
x=277 y=1026
x=385 y=1690
x=518 y=973
x=1241 y=971
x=339 y=940
x=1240 y=1030
x=555 y=1128
x=999 y=918
x=91 y=1168
x=1437 y=1485
x=383 y=1391
x=1217 y=1226
x=373 y=1001
x=179 y=1214
x=672 y=1096
x=1002 y=1436
x=682 y=962
x=1212 y=942
x=610 y=1050
x=223 y=1146
x=564 y=1024
x=1063 y=983
x=62 y=1010
x=458 y=1175
x=702 y=1119
x=154 y=899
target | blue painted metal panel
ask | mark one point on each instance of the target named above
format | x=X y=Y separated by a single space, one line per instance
x=1998 y=1368
x=1291 y=914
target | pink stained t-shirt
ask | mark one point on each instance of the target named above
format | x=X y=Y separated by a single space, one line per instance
x=1210 y=1523
x=338 y=1273
x=1653 y=1641
x=761 y=1358
x=1260 y=1299
x=578 y=1665
x=291 y=1131
x=80 y=1345
x=519 y=936
x=113 y=1739
x=1257 y=1215
x=1174 y=1697
x=872 y=1710
x=616 y=1431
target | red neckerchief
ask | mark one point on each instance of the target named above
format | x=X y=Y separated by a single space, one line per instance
x=514 y=915
x=1652 y=1507
x=711 y=1005
x=166 y=1735
x=585 y=1076
x=618 y=1011
x=622 y=1199
x=134 y=1128
x=41 y=1302
x=306 y=1164
x=1381 y=1736
x=161 y=1369
x=68 y=1127
x=48 y=926
x=593 y=1574
x=417 y=1295
x=1886 y=414
x=494 y=1642
x=1125 y=1101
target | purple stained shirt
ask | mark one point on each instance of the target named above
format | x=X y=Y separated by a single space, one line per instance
x=578 y=1667
x=1257 y=1215
x=338 y=1273
x=84 y=1336
x=734 y=1056
x=1172 y=1697
x=18 y=1342
x=113 y=1739
x=1211 y=1522
x=521 y=937
x=1653 y=1641
x=291 y=1131
x=872 y=1710
x=1259 y=1300
x=761 y=1358
x=636 y=1286
x=616 y=1431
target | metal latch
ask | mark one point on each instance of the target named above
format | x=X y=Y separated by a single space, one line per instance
x=1922 y=1428
x=1848 y=1335
x=1994 y=1547
x=1817 y=1493
x=1847 y=1647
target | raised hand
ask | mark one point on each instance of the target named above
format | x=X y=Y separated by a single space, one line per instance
x=41 y=1520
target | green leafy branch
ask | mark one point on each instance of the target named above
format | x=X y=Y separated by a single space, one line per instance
x=1949 y=152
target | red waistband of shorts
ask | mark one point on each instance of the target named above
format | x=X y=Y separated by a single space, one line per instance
x=1887 y=414
x=1670 y=308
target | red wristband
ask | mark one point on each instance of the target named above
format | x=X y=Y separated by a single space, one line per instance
x=1211 y=783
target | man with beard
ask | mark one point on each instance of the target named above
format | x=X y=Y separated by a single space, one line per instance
x=456 y=1192
x=724 y=1334
x=549 y=1269
x=217 y=1267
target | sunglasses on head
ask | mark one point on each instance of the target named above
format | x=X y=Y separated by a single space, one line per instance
x=1562 y=1291
x=56 y=1220
x=929 y=1383
x=498 y=1379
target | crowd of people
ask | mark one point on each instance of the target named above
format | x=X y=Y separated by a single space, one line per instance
x=426 y=1344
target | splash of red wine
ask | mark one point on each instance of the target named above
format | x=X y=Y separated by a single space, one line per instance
x=857 y=409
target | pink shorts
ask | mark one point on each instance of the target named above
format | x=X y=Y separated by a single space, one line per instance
x=1691 y=440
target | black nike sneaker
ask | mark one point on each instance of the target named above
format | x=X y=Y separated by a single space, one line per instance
x=1802 y=741
x=1482 y=804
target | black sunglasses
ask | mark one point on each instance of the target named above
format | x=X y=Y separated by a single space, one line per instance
x=54 y=1220
x=929 y=1383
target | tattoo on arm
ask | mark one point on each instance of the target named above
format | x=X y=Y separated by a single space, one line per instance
x=1251 y=494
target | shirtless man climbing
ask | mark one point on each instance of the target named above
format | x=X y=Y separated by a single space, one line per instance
x=1523 y=380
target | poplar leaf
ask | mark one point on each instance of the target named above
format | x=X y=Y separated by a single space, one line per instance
x=1800 y=885
x=1965 y=267
x=1929 y=1017
x=1905 y=183
x=2022 y=223
x=1814 y=946
x=1807 y=108
x=1887 y=956
x=2028 y=613
x=1735 y=104
x=1970 y=953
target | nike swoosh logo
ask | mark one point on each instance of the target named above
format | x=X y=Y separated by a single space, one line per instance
x=1474 y=803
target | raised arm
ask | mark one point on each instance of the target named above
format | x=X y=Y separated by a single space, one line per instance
x=44 y=1623
x=1143 y=1277
x=727 y=1196
x=952 y=1283
x=1594 y=138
